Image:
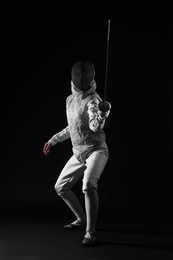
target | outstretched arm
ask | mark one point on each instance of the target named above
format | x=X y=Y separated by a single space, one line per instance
x=61 y=136
x=57 y=138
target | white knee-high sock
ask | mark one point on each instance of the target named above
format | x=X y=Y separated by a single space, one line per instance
x=91 y=206
x=73 y=203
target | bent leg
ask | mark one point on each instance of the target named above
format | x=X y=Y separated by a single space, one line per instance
x=71 y=173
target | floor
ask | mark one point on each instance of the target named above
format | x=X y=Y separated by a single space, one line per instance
x=41 y=237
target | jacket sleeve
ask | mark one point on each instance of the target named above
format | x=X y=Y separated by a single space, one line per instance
x=61 y=136
x=97 y=118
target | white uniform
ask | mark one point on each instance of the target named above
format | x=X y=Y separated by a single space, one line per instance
x=90 y=151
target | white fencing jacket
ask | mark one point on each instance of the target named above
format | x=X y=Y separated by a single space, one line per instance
x=85 y=122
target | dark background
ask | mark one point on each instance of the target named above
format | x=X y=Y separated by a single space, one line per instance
x=39 y=45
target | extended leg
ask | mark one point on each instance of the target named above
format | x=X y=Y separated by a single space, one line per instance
x=91 y=206
x=95 y=165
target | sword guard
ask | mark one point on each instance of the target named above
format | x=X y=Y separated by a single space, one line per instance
x=104 y=106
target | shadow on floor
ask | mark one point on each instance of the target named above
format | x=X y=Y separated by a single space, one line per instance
x=44 y=239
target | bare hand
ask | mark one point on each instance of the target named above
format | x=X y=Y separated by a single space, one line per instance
x=47 y=147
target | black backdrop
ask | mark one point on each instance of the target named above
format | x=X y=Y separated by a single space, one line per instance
x=39 y=45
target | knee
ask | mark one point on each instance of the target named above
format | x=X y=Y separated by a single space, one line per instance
x=89 y=187
x=60 y=190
